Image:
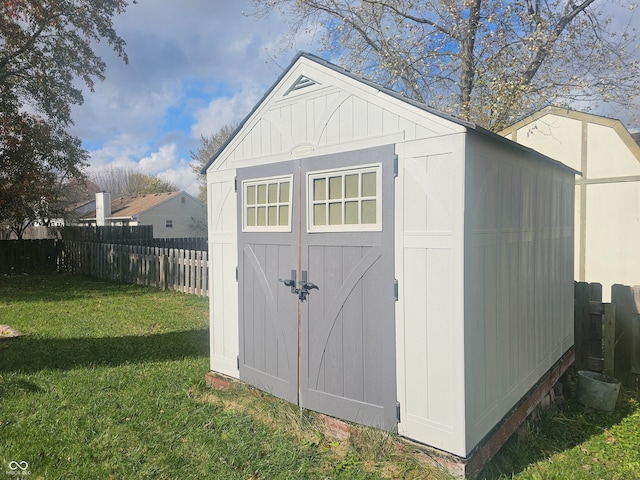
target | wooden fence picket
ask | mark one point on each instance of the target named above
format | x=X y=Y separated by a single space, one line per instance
x=169 y=269
x=627 y=346
x=27 y=256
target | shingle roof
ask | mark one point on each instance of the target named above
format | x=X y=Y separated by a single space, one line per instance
x=127 y=207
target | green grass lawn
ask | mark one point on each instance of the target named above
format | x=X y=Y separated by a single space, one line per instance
x=108 y=383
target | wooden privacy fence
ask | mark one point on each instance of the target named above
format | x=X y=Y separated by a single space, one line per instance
x=107 y=233
x=28 y=256
x=169 y=269
x=607 y=335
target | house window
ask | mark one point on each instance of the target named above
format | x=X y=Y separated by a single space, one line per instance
x=267 y=204
x=168 y=223
x=183 y=200
x=345 y=200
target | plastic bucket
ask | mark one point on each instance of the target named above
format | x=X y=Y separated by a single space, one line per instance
x=597 y=391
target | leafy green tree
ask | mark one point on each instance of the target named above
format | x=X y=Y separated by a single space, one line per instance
x=487 y=61
x=36 y=162
x=209 y=146
x=45 y=46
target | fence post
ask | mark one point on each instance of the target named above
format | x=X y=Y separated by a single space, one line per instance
x=164 y=264
x=609 y=341
x=580 y=320
x=627 y=300
x=121 y=261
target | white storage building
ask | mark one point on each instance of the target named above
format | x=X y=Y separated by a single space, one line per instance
x=385 y=263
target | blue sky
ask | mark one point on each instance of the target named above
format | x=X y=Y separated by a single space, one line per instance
x=194 y=66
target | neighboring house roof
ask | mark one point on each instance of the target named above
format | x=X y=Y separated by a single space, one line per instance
x=631 y=140
x=468 y=125
x=128 y=207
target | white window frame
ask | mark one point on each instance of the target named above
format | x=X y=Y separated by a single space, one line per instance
x=359 y=227
x=266 y=181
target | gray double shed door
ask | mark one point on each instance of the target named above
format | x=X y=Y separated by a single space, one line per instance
x=334 y=352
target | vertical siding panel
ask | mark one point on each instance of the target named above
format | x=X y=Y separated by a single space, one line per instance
x=417 y=291
x=271 y=268
x=287 y=121
x=333 y=355
x=354 y=349
x=438 y=284
x=374 y=120
x=408 y=127
x=251 y=335
x=316 y=313
x=346 y=120
x=260 y=312
x=264 y=130
x=389 y=122
x=373 y=333
x=333 y=124
x=310 y=119
x=299 y=126
x=256 y=141
x=360 y=119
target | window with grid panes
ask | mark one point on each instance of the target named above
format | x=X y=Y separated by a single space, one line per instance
x=267 y=204
x=345 y=200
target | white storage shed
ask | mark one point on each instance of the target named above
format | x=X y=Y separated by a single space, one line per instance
x=385 y=263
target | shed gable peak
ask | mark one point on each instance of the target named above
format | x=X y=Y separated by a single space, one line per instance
x=318 y=108
x=301 y=82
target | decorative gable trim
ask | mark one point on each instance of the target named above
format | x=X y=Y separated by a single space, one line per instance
x=301 y=82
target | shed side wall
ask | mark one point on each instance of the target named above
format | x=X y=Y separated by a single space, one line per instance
x=223 y=254
x=429 y=311
x=607 y=207
x=518 y=278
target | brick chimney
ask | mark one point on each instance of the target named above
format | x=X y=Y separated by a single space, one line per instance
x=103 y=208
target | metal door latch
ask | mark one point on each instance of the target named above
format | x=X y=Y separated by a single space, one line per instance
x=304 y=287
x=303 y=291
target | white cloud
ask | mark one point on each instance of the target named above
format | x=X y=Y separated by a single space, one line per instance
x=194 y=66
x=182 y=177
x=223 y=111
x=159 y=161
x=122 y=150
x=164 y=163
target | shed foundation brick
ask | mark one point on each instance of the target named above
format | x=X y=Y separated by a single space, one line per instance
x=332 y=427
x=218 y=381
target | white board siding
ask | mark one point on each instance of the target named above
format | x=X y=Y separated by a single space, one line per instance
x=612 y=233
x=607 y=214
x=184 y=217
x=518 y=282
x=608 y=155
x=556 y=136
x=337 y=114
x=223 y=252
x=429 y=313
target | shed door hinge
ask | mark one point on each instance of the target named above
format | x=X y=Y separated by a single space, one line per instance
x=398 y=411
x=235 y=184
x=395 y=289
x=236 y=274
x=395 y=165
x=238 y=362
